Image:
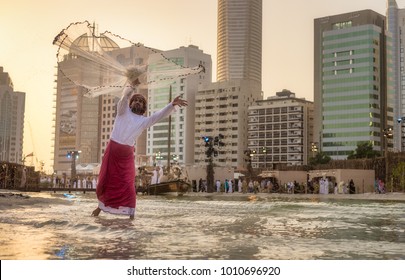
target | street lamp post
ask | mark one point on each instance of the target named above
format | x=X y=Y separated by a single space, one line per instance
x=264 y=151
x=175 y=158
x=248 y=158
x=158 y=158
x=211 y=152
x=314 y=148
x=387 y=133
x=209 y=144
x=73 y=155
x=401 y=122
x=5 y=168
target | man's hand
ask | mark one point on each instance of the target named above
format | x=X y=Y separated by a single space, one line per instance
x=128 y=90
x=179 y=102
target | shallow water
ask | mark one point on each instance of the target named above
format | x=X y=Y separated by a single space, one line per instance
x=204 y=227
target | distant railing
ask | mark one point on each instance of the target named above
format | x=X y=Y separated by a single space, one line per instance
x=18 y=176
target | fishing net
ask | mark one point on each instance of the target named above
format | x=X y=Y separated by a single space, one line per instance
x=105 y=63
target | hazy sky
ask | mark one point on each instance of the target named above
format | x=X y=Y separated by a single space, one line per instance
x=28 y=27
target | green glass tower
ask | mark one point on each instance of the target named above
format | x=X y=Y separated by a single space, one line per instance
x=353 y=88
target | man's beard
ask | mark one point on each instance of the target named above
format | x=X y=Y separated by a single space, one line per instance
x=138 y=110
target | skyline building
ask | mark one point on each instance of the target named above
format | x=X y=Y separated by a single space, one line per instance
x=126 y=56
x=396 y=26
x=280 y=131
x=222 y=108
x=353 y=88
x=84 y=124
x=12 y=111
x=81 y=123
x=239 y=40
x=180 y=149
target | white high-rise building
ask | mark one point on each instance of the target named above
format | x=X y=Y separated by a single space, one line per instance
x=180 y=148
x=222 y=108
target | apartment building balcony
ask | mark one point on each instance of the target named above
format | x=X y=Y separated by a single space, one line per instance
x=295 y=133
x=295 y=125
x=295 y=109
x=295 y=149
x=295 y=117
x=295 y=141
x=295 y=157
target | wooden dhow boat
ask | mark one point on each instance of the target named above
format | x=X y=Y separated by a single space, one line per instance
x=178 y=187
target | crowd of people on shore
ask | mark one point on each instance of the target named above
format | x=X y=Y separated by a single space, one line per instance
x=240 y=185
x=270 y=185
x=88 y=182
x=379 y=186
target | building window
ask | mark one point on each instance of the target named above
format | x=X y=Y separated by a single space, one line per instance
x=342 y=25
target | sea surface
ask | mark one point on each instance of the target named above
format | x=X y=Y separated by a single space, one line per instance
x=201 y=227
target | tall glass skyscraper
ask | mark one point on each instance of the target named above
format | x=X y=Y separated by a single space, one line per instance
x=239 y=81
x=239 y=46
x=396 y=27
x=353 y=85
x=12 y=108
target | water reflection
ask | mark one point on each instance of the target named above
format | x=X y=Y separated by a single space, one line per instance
x=212 y=227
x=113 y=223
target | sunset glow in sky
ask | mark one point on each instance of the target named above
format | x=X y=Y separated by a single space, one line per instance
x=28 y=27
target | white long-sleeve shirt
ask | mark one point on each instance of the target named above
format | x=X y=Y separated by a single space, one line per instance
x=129 y=126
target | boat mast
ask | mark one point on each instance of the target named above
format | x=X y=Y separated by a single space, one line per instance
x=170 y=133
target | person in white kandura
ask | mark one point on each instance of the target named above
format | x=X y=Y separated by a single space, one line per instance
x=116 y=185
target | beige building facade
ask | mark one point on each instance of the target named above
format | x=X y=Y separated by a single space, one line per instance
x=280 y=131
x=221 y=108
x=81 y=123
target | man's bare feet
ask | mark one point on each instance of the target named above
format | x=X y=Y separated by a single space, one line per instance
x=96 y=212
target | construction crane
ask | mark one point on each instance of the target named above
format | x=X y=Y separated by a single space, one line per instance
x=33 y=147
